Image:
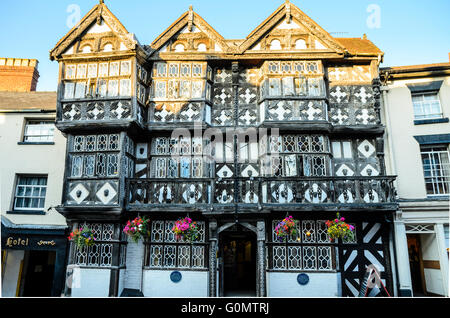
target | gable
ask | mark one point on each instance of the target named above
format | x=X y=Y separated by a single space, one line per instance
x=289 y=35
x=98 y=37
x=189 y=33
x=97 y=29
x=288 y=28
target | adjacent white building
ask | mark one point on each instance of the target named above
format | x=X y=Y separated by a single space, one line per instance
x=416 y=110
x=32 y=155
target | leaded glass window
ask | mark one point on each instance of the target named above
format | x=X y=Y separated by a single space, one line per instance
x=173 y=70
x=125 y=87
x=295 y=155
x=103 y=70
x=114 y=69
x=113 y=88
x=100 y=254
x=81 y=70
x=80 y=90
x=92 y=70
x=310 y=250
x=69 y=90
x=185 y=70
x=125 y=68
x=197 y=89
x=160 y=89
x=77 y=166
x=160 y=69
x=166 y=251
x=197 y=70
x=70 y=71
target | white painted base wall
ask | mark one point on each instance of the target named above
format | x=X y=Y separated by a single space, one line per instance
x=91 y=282
x=320 y=285
x=157 y=283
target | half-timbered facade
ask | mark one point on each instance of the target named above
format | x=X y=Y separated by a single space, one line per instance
x=235 y=134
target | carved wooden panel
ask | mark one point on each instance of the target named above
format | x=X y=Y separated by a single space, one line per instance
x=97 y=111
x=223 y=109
x=352 y=105
x=92 y=193
x=168 y=112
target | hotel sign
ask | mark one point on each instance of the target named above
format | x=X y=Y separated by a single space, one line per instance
x=29 y=242
x=13 y=242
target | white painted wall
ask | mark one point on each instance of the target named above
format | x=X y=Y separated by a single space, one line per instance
x=406 y=157
x=157 y=283
x=12 y=268
x=30 y=159
x=320 y=285
x=91 y=282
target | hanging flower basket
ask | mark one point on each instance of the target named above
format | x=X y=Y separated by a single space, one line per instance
x=186 y=229
x=137 y=229
x=286 y=228
x=82 y=237
x=337 y=228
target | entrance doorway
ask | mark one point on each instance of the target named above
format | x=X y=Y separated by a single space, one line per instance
x=38 y=274
x=416 y=265
x=238 y=264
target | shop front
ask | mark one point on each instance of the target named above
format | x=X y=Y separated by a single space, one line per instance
x=33 y=261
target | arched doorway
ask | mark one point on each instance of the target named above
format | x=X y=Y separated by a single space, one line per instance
x=237 y=262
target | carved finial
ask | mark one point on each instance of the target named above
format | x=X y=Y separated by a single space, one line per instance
x=191 y=18
x=288 y=11
x=100 y=12
x=101 y=2
x=364 y=36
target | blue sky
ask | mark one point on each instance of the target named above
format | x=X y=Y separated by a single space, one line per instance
x=409 y=32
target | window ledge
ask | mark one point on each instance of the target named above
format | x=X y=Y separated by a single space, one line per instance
x=24 y=143
x=438 y=197
x=26 y=212
x=431 y=121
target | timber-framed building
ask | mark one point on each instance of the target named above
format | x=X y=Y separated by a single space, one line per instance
x=299 y=115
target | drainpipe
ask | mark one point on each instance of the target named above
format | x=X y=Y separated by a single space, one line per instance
x=387 y=119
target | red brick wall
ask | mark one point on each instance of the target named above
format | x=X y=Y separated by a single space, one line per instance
x=18 y=78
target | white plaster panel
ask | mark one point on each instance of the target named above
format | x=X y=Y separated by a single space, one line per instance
x=157 y=283
x=91 y=282
x=286 y=285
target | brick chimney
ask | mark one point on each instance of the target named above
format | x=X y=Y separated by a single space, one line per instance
x=18 y=75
